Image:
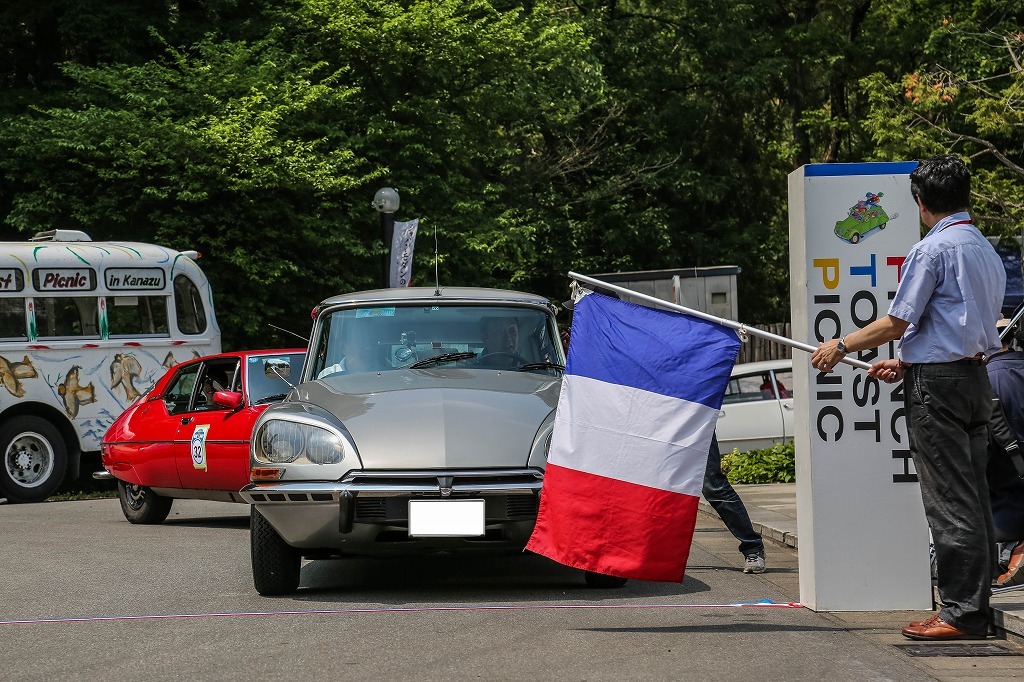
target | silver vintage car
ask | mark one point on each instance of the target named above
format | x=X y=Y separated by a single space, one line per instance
x=421 y=422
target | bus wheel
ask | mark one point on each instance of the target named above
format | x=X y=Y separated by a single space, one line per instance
x=142 y=505
x=35 y=459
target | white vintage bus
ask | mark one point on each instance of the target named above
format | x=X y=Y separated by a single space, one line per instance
x=86 y=328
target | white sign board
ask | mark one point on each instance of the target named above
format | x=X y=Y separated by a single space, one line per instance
x=860 y=519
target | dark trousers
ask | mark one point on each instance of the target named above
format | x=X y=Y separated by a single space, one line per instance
x=949 y=406
x=721 y=496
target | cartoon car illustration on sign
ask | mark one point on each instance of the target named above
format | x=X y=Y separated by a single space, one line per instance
x=862 y=218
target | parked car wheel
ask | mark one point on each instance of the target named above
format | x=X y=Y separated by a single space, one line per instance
x=275 y=563
x=142 y=505
x=602 y=581
x=855 y=237
x=35 y=459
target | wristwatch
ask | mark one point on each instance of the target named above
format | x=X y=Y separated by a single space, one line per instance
x=841 y=346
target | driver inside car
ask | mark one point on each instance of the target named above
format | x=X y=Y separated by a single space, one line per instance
x=358 y=355
x=500 y=336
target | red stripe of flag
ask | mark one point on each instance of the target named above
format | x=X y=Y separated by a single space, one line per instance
x=613 y=527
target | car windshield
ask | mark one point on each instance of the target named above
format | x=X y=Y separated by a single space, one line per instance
x=385 y=338
x=263 y=388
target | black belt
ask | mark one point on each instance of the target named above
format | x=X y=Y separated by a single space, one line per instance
x=969 y=361
x=978 y=359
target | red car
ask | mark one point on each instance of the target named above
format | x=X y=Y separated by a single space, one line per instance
x=188 y=437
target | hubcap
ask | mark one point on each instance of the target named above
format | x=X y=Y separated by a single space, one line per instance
x=29 y=460
x=136 y=495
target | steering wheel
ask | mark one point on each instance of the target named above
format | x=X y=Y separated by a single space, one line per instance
x=513 y=358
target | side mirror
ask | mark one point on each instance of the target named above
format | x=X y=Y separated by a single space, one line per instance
x=228 y=399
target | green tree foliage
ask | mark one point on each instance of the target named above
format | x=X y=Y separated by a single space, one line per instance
x=533 y=138
x=218 y=148
x=965 y=95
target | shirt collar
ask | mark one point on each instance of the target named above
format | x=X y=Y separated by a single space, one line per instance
x=947 y=221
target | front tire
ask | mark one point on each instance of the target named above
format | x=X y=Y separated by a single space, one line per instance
x=142 y=505
x=35 y=459
x=275 y=563
x=855 y=237
x=604 y=582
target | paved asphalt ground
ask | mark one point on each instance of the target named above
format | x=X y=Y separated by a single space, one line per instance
x=86 y=595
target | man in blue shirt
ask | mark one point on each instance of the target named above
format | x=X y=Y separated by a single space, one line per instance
x=944 y=314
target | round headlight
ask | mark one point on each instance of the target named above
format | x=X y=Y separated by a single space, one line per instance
x=324 y=447
x=280 y=442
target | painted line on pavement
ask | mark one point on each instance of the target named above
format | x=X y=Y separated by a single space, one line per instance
x=765 y=604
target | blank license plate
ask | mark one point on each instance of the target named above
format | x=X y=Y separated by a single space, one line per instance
x=446 y=518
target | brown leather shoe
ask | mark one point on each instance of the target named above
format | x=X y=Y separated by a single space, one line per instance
x=1014 y=575
x=936 y=629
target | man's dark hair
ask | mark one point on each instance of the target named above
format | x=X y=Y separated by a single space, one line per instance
x=942 y=183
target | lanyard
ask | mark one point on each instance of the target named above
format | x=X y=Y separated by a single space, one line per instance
x=959 y=222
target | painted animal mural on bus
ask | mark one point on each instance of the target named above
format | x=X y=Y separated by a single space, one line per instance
x=74 y=394
x=124 y=371
x=12 y=372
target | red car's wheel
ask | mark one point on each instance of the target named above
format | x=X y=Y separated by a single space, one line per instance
x=142 y=505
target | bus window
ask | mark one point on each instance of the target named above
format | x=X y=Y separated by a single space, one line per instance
x=137 y=315
x=12 y=318
x=67 y=316
x=188 y=306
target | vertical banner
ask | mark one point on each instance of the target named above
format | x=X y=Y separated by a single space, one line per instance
x=860 y=519
x=402 y=245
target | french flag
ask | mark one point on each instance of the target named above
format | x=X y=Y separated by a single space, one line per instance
x=635 y=417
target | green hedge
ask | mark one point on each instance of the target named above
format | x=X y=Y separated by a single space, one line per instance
x=771 y=465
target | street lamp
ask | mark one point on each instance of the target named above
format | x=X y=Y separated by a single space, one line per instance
x=386 y=202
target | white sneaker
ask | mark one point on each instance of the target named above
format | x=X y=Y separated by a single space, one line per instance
x=754 y=564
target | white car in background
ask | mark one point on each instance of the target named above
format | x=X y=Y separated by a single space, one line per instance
x=757 y=411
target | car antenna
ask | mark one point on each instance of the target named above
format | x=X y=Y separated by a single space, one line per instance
x=288 y=331
x=437 y=278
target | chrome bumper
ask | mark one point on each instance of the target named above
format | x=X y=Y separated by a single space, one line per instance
x=394 y=483
x=323 y=514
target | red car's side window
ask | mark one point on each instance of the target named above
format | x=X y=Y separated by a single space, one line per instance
x=179 y=391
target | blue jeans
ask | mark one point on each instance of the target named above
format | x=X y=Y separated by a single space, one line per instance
x=721 y=496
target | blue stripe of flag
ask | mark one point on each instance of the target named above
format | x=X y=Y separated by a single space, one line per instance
x=653 y=350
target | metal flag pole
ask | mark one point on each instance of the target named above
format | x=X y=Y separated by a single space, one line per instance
x=738 y=326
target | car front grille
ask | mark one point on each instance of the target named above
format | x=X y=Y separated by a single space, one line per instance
x=395 y=510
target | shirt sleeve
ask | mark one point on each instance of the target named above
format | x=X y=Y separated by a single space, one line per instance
x=916 y=287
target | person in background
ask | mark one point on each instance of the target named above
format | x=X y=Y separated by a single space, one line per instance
x=727 y=504
x=1006 y=488
x=944 y=313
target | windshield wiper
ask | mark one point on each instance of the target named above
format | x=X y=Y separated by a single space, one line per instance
x=271 y=398
x=540 y=365
x=447 y=357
